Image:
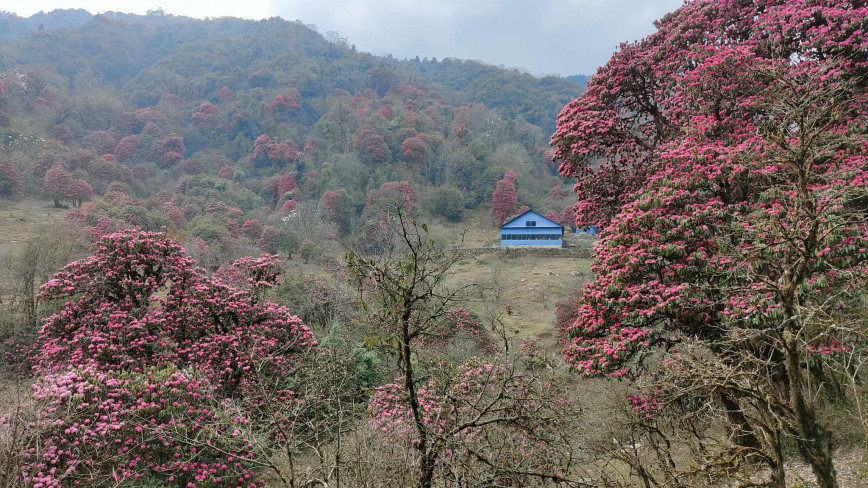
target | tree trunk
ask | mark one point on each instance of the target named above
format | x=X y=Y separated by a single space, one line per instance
x=740 y=430
x=776 y=462
x=813 y=442
x=426 y=460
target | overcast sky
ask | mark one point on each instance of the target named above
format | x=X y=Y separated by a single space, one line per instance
x=542 y=36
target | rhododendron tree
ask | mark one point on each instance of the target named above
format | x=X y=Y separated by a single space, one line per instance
x=171 y=159
x=61 y=132
x=391 y=196
x=337 y=209
x=419 y=147
x=174 y=142
x=726 y=153
x=249 y=274
x=208 y=116
x=157 y=426
x=504 y=200
x=568 y=216
x=79 y=191
x=285 y=102
x=268 y=240
x=372 y=147
x=288 y=206
x=286 y=184
x=55 y=183
x=483 y=421
x=226 y=172
x=100 y=142
x=172 y=374
x=553 y=216
x=268 y=151
x=117 y=303
x=252 y=229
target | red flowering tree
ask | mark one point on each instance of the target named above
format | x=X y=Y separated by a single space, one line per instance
x=224 y=93
x=504 y=200
x=79 y=191
x=728 y=161
x=372 y=147
x=285 y=102
x=288 y=206
x=226 y=172
x=251 y=275
x=55 y=183
x=87 y=414
x=137 y=314
x=415 y=149
x=391 y=196
x=125 y=147
x=269 y=241
x=267 y=151
x=553 y=216
x=207 y=117
x=337 y=209
x=100 y=142
x=170 y=159
x=252 y=229
x=172 y=143
x=387 y=111
x=568 y=216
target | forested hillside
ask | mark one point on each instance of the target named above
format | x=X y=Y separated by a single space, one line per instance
x=241 y=253
x=258 y=116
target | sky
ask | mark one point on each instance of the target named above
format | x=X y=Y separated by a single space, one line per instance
x=563 y=37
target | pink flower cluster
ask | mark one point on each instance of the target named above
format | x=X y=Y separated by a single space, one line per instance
x=154 y=426
x=681 y=151
x=153 y=371
x=465 y=409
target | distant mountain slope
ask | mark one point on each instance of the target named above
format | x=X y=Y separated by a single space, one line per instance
x=161 y=103
x=13 y=26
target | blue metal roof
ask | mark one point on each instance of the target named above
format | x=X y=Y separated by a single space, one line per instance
x=546 y=223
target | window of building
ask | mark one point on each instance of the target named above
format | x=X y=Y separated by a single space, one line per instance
x=530 y=223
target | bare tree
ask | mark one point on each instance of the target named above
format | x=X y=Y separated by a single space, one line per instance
x=484 y=421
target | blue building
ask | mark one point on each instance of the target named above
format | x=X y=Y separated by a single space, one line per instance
x=531 y=229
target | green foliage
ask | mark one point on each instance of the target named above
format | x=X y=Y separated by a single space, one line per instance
x=447 y=202
x=206 y=227
x=288 y=242
x=309 y=250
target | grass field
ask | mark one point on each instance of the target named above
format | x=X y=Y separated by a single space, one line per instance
x=20 y=219
x=522 y=291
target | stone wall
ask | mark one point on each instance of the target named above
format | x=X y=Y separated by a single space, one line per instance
x=521 y=251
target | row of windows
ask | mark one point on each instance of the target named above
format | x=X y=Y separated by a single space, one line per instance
x=530 y=237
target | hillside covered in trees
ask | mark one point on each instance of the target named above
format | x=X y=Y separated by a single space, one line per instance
x=228 y=258
x=258 y=117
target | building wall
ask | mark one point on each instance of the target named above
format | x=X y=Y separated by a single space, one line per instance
x=530 y=236
x=518 y=233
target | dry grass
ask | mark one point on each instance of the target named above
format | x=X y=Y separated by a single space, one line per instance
x=524 y=288
x=19 y=219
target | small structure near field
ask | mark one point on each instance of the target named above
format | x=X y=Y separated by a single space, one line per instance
x=531 y=229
